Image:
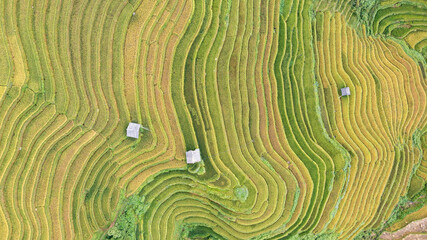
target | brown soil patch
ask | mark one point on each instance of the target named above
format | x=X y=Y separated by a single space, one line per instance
x=419 y=226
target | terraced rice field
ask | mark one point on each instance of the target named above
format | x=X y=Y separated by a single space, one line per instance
x=255 y=85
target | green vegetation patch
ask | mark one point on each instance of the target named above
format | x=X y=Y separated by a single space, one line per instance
x=126 y=224
x=241 y=193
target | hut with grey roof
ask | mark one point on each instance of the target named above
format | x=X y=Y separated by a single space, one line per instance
x=193 y=156
x=133 y=130
x=345 y=91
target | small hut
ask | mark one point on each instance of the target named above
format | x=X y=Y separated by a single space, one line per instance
x=193 y=156
x=133 y=130
x=345 y=91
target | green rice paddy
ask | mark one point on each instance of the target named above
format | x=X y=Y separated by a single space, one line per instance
x=254 y=84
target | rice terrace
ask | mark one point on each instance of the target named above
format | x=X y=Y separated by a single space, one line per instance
x=213 y=119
